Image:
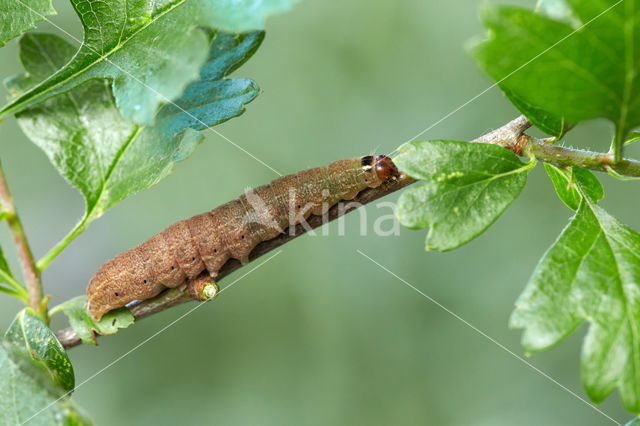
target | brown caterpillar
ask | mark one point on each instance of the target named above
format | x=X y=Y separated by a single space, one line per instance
x=207 y=241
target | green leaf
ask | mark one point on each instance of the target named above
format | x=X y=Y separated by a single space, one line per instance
x=539 y=117
x=30 y=333
x=564 y=186
x=19 y=16
x=467 y=187
x=111 y=158
x=589 y=184
x=565 y=182
x=27 y=394
x=591 y=273
x=85 y=327
x=149 y=50
x=588 y=74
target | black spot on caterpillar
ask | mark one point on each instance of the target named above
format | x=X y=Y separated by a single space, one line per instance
x=207 y=241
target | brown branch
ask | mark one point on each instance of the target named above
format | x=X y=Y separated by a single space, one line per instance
x=31 y=275
x=510 y=136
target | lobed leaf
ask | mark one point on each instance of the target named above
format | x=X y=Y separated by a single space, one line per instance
x=20 y=16
x=544 y=64
x=109 y=158
x=86 y=328
x=467 y=187
x=566 y=183
x=591 y=273
x=149 y=50
x=27 y=394
x=29 y=332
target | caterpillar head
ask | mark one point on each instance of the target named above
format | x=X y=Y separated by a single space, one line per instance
x=384 y=167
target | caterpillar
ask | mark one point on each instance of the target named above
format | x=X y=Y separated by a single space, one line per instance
x=207 y=241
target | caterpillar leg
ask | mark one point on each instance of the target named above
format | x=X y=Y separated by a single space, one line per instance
x=203 y=288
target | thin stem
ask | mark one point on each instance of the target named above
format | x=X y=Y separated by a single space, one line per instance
x=568 y=157
x=22 y=296
x=55 y=310
x=15 y=285
x=617 y=146
x=512 y=137
x=31 y=274
x=62 y=244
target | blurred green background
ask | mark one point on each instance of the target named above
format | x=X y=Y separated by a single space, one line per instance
x=320 y=335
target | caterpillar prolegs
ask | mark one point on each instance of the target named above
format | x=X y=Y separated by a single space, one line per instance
x=207 y=241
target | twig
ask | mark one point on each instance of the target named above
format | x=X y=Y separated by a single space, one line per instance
x=31 y=275
x=510 y=136
x=507 y=135
x=567 y=157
